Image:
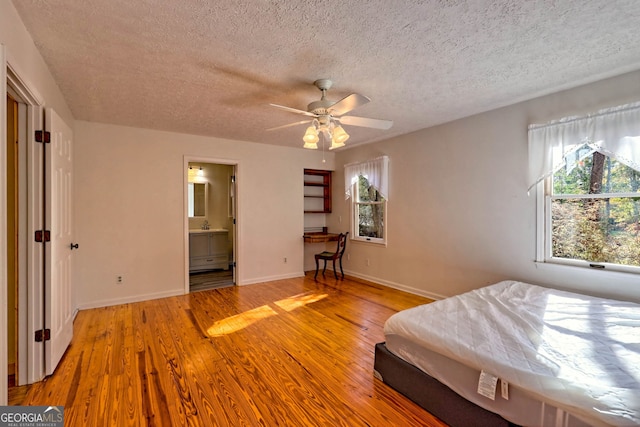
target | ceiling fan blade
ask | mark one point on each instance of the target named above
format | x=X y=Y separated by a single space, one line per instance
x=366 y=122
x=347 y=104
x=290 y=124
x=293 y=110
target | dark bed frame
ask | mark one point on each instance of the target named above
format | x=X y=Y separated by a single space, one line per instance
x=431 y=394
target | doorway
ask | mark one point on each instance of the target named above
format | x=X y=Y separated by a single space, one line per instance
x=210 y=212
x=40 y=331
x=19 y=122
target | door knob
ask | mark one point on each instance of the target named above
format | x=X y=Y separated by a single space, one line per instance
x=74 y=246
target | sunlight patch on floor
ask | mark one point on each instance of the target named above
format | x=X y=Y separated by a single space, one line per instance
x=240 y=321
x=291 y=303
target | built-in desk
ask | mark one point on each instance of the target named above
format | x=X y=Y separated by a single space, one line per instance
x=320 y=237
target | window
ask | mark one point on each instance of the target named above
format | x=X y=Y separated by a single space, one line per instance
x=368 y=183
x=595 y=212
x=368 y=212
x=587 y=174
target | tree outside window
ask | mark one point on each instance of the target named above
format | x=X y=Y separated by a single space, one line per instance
x=369 y=212
x=595 y=212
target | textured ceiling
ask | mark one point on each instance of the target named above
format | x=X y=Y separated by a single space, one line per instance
x=212 y=67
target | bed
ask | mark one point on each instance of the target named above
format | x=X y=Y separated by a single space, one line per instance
x=517 y=354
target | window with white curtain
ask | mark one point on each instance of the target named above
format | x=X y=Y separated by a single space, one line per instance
x=367 y=184
x=586 y=172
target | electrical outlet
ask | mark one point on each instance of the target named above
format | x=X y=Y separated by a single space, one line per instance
x=119 y=280
x=368 y=263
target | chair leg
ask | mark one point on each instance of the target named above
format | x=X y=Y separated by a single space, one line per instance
x=325 y=266
x=334 y=269
x=317 y=267
x=341 y=270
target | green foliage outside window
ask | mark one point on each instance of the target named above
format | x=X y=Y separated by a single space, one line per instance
x=604 y=224
x=370 y=210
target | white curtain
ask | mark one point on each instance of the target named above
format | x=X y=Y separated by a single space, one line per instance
x=376 y=171
x=614 y=132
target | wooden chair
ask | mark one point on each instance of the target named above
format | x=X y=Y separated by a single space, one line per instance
x=333 y=256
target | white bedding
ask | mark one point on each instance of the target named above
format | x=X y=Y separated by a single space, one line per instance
x=579 y=353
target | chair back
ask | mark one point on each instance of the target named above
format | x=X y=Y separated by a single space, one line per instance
x=342 y=243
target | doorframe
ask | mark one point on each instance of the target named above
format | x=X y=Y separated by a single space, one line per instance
x=3 y=238
x=236 y=234
x=30 y=356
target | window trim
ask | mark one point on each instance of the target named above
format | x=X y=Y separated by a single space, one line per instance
x=377 y=173
x=543 y=236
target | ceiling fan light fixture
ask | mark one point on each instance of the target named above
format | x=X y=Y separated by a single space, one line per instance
x=335 y=144
x=327 y=116
x=311 y=137
x=311 y=145
x=339 y=135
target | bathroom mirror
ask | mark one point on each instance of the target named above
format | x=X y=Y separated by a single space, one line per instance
x=198 y=199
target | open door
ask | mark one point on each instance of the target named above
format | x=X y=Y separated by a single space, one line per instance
x=32 y=311
x=46 y=310
x=58 y=301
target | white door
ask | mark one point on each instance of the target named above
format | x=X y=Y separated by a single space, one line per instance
x=233 y=197
x=58 y=252
x=35 y=254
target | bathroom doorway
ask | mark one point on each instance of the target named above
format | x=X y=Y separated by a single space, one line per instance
x=210 y=211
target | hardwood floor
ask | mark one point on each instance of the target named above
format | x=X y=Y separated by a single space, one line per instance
x=285 y=353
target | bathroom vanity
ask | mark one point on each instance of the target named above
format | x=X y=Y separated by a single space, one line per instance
x=208 y=249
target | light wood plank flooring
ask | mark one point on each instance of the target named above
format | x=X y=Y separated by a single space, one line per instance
x=286 y=353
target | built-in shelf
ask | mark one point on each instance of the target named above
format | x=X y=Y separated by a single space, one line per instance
x=317 y=185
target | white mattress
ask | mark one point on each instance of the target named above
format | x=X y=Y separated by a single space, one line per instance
x=575 y=352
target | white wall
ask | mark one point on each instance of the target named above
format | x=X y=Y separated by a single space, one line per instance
x=23 y=56
x=130 y=215
x=459 y=216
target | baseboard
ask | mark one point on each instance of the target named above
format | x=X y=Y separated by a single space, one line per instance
x=253 y=281
x=269 y=278
x=130 y=299
x=397 y=286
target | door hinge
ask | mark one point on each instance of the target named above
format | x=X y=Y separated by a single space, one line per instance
x=43 y=236
x=43 y=335
x=234 y=221
x=233 y=178
x=43 y=136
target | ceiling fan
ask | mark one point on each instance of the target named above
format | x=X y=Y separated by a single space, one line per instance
x=328 y=116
